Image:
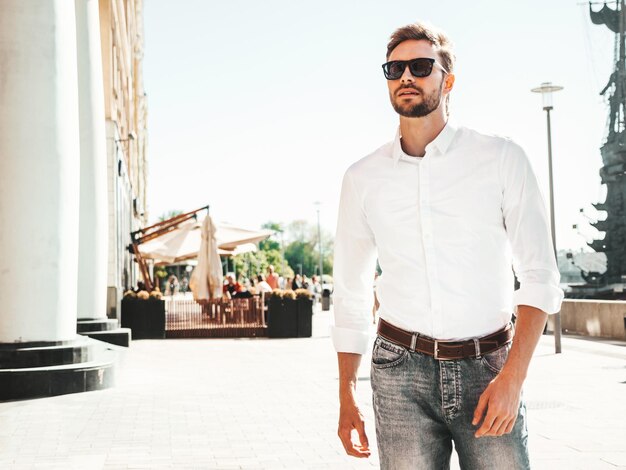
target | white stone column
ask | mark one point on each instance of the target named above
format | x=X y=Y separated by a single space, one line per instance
x=93 y=232
x=39 y=171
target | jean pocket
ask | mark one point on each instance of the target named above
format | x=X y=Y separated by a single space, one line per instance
x=387 y=354
x=495 y=360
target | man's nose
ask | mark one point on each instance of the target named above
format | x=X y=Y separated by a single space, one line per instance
x=407 y=76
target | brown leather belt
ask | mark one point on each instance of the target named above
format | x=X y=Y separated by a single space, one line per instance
x=445 y=350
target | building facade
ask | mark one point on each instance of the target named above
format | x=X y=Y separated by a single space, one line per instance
x=125 y=109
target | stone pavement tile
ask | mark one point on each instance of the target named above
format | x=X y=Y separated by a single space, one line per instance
x=596 y=445
x=8 y=463
x=560 y=454
x=616 y=458
x=566 y=464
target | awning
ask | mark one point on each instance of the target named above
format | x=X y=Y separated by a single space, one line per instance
x=183 y=242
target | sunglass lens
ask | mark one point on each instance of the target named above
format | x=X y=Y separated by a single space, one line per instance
x=394 y=70
x=421 y=67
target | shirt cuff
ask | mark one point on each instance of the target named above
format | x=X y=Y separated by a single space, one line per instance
x=349 y=341
x=544 y=297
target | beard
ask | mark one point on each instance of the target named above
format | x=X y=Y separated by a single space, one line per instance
x=428 y=105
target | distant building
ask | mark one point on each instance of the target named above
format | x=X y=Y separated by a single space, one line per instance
x=570 y=273
x=125 y=104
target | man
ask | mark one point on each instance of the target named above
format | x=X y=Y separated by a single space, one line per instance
x=231 y=287
x=315 y=288
x=297 y=282
x=447 y=211
x=272 y=277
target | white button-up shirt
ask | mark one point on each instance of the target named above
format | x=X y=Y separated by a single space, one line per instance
x=447 y=229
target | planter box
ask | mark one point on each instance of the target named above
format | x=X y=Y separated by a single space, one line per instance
x=275 y=318
x=305 y=318
x=282 y=321
x=146 y=318
x=289 y=318
x=290 y=307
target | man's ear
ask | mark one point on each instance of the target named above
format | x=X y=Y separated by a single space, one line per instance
x=449 y=83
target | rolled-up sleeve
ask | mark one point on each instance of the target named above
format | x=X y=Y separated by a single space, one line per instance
x=353 y=273
x=528 y=230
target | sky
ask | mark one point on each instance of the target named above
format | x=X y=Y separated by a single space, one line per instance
x=258 y=108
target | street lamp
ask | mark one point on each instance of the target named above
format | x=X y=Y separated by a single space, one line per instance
x=319 y=237
x=546 y=89
x=282 y=251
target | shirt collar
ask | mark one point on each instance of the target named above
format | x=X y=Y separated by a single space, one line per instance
x=441 y=142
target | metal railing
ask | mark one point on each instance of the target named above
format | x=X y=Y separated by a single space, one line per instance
x=215 y=318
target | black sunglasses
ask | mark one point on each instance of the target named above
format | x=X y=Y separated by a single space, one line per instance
x=420 y=67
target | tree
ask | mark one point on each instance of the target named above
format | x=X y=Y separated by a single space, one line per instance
x=271 y=243
x=303 y=248
x=273 y=248
x=253 y=264
x=300 y=252
x=169 y=215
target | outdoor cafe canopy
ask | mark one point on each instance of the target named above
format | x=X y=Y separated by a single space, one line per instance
x=183 y=243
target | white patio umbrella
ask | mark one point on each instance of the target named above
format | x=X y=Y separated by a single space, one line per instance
x=178 y=245
x=206 y=279
x=238 y=250
x=184 y=242
x=230 y=237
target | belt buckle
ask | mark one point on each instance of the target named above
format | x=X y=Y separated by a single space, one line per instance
x=413 y=342
x=436 y=355
x=477 y=350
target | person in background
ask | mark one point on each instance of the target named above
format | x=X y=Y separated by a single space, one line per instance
x=262 y=285
x=272 y=277
x=231 y=287
x=171 y=287
x=315 y=288
x=297 y=282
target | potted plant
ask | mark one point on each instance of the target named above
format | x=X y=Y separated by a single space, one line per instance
x=144 y=314
x=282 y=312
x=290 y=308
x=305 y=313
x=275 y=314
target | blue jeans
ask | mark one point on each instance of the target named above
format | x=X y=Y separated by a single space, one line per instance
x=422 y=405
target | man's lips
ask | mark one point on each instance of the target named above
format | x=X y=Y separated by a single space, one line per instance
x=408 y=92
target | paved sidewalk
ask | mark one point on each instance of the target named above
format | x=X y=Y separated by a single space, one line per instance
x=272 y=404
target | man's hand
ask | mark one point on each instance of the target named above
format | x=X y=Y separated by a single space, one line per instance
x=351 y=418
x=501 y=400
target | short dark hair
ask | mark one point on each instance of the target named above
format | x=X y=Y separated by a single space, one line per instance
x=422 y=31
